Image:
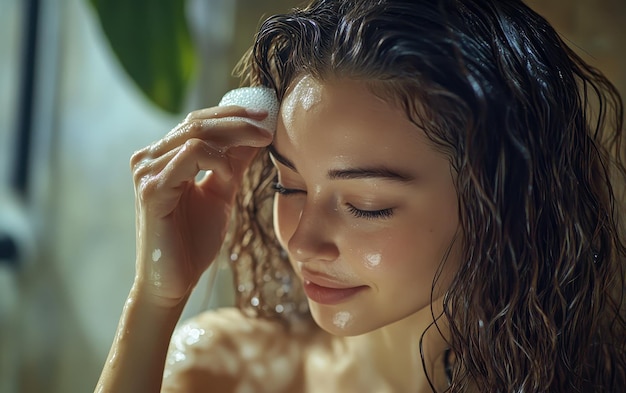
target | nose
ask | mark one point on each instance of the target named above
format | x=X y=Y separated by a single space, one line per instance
x=313 y=238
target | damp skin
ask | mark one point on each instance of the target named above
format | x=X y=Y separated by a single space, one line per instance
x=156 y=255
x=305 y=95
x=155 y=274
x=372 y=203
x=226 y=343
x=342 y=319
x=372 y=260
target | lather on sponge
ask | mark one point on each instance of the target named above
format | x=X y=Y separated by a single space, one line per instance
x=256 y=97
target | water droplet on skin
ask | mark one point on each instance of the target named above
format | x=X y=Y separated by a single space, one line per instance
x=156 y=255
x=156 y=279
x=254 y=301
x=341 y=319
x=306 y=93
x=372 y=260
x=179 y=357
x=193 y=336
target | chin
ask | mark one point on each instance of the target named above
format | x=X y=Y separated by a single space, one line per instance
x=342 y=321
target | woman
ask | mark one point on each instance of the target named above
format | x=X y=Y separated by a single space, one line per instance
x=445 y=179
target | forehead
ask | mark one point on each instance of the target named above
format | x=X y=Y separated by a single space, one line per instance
x=303 y=94
x=308 y=94
x=333 y=118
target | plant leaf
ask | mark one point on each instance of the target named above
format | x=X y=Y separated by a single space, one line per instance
x=152 y=42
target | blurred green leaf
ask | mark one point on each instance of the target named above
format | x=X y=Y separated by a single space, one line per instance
x=152 y=41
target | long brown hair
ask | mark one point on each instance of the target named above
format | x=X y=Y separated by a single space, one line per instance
x=534 y=136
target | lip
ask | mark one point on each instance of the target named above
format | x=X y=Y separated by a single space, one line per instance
x=323 y=289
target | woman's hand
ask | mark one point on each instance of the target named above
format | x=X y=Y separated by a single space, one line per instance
x=181 y=221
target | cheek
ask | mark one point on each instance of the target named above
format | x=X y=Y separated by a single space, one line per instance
x=382 y=257
x=404 y=253
x=372 y=259
x=373 y=255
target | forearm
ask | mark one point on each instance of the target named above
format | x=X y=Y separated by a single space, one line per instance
x=137 y=356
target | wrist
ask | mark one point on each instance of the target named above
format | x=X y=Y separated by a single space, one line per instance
x=146 y=295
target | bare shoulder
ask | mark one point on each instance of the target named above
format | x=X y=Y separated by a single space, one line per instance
x=230 y=352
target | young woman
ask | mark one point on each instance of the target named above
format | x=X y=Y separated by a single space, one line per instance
x=442 y=195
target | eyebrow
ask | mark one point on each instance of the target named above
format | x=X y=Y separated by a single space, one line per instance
x=377 y=172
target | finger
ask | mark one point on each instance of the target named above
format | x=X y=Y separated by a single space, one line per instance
x=193 y=126
x=148 y=167
x=194 y=156
x=239 y=159
x=233 y=113
x=166 y=175
x=227 y=111
x=220 y=133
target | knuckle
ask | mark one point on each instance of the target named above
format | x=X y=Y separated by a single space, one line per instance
x=138 y=173
x=192 y=144
x=147 y=186
x=196 y=146
x=141 y=169
x=190 y=116
x=145 y=153
x=194 y=126
x=137 y=157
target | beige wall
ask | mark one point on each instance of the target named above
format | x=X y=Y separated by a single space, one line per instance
x=596 y=29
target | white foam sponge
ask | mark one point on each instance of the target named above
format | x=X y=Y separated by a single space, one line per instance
x=256 y=97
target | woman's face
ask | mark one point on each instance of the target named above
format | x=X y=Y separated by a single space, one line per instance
x=366 y=208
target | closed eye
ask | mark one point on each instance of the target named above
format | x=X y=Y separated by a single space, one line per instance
x=370 y=214
x=280 y=189
x=356 y=212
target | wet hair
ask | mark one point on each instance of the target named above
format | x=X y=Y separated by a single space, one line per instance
x=534 y=136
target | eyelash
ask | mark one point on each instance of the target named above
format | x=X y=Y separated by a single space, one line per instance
x=358 y=213
x=370 y=214
x=285 y=191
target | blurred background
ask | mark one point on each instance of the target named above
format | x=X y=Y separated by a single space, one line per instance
x=83 y=84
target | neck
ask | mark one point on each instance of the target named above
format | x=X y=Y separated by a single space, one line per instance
x=394 y=352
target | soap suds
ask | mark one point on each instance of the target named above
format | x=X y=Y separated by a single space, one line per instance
x=156 y=255
x=229 y=344
x=342 y=319
x=256 y=97
x=372 y=260
x=305 y=94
